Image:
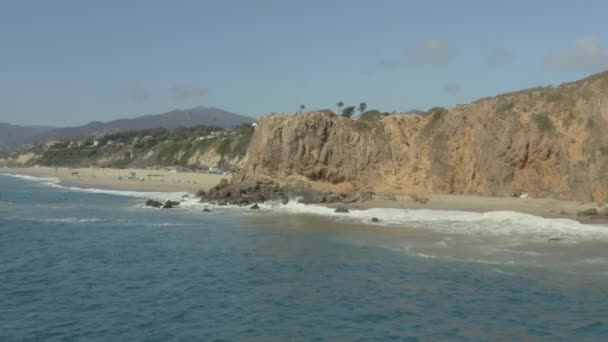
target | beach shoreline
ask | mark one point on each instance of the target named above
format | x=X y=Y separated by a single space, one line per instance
x=124 y=179
x=169 y=181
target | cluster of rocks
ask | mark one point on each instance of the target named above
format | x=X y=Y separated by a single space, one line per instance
x=156 y=204
x=594 y=213
x=258 y=190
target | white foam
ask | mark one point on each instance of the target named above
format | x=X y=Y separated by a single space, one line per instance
x=56 y=183
x=74 y=220
x=593 y=261
x=497 y=223
x=44 y=180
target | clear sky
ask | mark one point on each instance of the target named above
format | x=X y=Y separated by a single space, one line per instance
x=69 y=62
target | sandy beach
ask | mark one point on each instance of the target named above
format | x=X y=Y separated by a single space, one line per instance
x=167 y=181
x=544 y=207
x=125 y=179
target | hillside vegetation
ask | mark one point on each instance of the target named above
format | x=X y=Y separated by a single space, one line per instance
x=196 y=147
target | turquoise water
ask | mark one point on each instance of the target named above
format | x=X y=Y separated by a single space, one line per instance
x=97 y=266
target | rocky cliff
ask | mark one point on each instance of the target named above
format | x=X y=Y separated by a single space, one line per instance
x=546 y=142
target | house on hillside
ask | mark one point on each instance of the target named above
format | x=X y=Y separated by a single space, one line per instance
x=52 y=143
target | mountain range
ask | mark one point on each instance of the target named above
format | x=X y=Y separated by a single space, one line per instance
x=13 y=136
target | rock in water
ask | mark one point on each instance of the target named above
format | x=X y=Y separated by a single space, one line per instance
x=341 y=210
x=255 y=206
x=153 y=203
x=206 y=210
x=170 y=204
x=375 y=219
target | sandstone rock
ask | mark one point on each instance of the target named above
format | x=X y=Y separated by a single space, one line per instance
x=588 y=212
x=419 y=199
x=603 y=212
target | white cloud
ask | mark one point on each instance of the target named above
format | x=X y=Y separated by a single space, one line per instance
x=451 y=88
x=586 y=56
x=188 y=91
x=500 y=57
x=391 y=64
x=433 y=51
x=138 y=94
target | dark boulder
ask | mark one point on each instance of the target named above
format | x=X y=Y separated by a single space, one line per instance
x=255 y=206
x=153 y=203
x=375 y=219
x=341 y=210
x=170 y=204
x=206 y=210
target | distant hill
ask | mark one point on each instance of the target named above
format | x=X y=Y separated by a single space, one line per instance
x=177 y=118
x=13 y=134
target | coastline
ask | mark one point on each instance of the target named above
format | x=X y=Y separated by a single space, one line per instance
x=542 y=207
x=123 y=179
x=167 y=181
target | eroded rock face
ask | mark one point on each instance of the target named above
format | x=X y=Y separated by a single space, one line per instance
x=545 y=142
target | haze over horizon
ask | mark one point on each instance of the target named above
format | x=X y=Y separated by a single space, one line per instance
x=66 y=63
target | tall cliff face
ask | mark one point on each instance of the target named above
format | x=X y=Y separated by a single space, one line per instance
x=547 y=142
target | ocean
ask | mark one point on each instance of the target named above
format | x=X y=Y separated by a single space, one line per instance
x=97 y=265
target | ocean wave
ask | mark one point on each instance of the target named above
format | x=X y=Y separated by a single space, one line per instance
x=73 y=220
x=496 y=223
x=51 y=181
x=593 y=261
x=56 y=183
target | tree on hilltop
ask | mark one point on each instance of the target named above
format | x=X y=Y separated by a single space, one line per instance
x=348 y=111
x=362 y=107
x=340 y=104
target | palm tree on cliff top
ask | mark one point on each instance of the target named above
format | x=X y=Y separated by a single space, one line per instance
x=340 y=104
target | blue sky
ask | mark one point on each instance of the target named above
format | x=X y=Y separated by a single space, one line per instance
x=71 y=62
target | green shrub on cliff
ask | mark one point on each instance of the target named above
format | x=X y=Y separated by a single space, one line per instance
x=543 y=122
x=437 y=113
